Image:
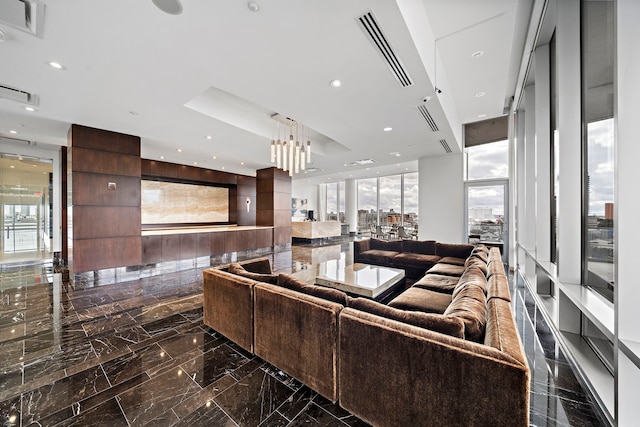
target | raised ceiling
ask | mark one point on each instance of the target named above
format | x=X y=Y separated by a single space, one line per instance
x=131 y=68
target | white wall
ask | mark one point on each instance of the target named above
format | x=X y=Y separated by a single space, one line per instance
x=302 y=189
x=441 y=194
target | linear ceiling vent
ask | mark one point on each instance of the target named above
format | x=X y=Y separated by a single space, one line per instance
x=372 y=29
x=426 y=115
x=6 y=139
x=363 y=162
x=445 y=145
x=25 y=15
x=14 y=94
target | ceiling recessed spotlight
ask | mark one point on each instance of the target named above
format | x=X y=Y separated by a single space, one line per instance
x=395 y=153
x=213 y=157
x=31 y=109
x=406 y=169
x=477 y=54
x=253 y=6
x=388 y=129
x=367 y=168
x=209 y=137
x=480 y=94
x=13 y=132
x=179 y=150
x=426 y=99
x=482 y=116
x=346 y=164
x=242 y=163
x=223 y=168
x=56 y=65
x=172 y=7
x=161 y=157
x=195 y=163
x=335 y=83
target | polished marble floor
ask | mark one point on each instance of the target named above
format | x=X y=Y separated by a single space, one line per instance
x=137 y=353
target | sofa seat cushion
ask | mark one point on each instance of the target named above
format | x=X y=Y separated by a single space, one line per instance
x=452 y=260
x=437 y=283
x=424 y=247
x=434 y=322
x=470 y=305
x=329 y=294
x=239 y=270
x=418 y=299
x=377 y=257
x=456 y=250
x=447 y=269
x=413 y=260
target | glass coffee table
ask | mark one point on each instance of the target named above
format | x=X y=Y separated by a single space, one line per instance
x=371 y=281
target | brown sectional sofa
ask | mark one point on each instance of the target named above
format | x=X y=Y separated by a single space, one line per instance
x=444 y=352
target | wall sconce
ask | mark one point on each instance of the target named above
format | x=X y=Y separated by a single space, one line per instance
x=248 y=204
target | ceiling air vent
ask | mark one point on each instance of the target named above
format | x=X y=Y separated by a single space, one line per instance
x=427 y=117
x=372 y=29
x=445 y=145
x=363 y=162
x=14 y=94
x=17 y=141
x=25 y=15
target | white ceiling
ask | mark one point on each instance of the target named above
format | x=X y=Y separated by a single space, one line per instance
x=131 y=68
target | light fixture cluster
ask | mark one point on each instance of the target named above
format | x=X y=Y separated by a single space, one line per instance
x=290 y=155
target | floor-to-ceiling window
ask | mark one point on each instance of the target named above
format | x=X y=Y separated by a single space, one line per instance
x=390 y=200
x=367 y=203
x=410 y=200
x=335 y=201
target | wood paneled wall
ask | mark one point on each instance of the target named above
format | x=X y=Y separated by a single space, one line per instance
x=103 y=224
x=273 y=193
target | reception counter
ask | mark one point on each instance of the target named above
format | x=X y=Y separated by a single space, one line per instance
x=315 y=229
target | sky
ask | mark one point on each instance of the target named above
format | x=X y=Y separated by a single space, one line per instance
x=601 y=163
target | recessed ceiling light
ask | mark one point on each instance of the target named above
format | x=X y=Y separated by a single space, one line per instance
x=56 y=65
x=209 y=137
x=223 y=168
x=335 y=83
x=395 y=153
x=12 y=167
x=13 y=132
x=480 y=94
x=482 y=116
x=31 y=109
x=161 y=157
x=388 y=129
x=477 y=54
x=346 y=164
x=242 y=163
x=195 y=163
x=253 y=6
x=179 y=150
x=406 y=169
x=213 y=157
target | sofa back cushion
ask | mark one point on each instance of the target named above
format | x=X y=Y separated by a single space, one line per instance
x=424 y=247
x=472 y=275
x=476 y=262
x=239 y=270
x=383 y=245
x=457 y=250
x=469 y=304
x=434 y=322
x=293 y=283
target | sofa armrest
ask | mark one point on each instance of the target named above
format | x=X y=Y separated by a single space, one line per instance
x=259 y=265
x=298 y=333
x=228 y=306
x=360 y=246
x=426 y=378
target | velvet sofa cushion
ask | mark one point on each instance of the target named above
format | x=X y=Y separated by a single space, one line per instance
x=457 y=250
x=470 y=305
x=424 y=247
x=239 y=270
x=447 y=269
x=498 y=287
x=495 y=267
x=434 y=322
x=452 y=260
x=418 y=299
x=377 y=257
x=437 y=283
x=472 y=275
x=384 y=245
x=414 y=260
x=330 y=294
x=480 y=255
x=476 y=262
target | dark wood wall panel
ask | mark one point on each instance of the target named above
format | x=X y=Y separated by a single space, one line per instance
x=105 y=162
x=104 y=230
x=94 y=222
x=273 y=200
x=151 y=249
x=98 y=254
x=203 y=244
x=95 y=139
x=91 y=189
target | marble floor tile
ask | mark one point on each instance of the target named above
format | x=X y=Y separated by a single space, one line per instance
x=108 y=414
x=133 y=364
x=118 y=340
x=213 y=365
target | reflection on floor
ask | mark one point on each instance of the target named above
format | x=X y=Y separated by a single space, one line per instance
x=137 y=352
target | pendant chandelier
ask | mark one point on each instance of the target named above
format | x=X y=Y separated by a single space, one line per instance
x=290 y=155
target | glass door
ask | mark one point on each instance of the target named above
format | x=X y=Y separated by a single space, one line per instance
x=487 y=213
